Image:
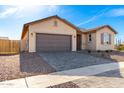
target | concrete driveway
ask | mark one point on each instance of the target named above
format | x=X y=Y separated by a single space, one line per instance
x=70 y=60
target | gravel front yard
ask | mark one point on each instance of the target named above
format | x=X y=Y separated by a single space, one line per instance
x=22 y=65
x=69 y=60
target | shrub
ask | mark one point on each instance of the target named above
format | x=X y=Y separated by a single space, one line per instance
x=120 y=47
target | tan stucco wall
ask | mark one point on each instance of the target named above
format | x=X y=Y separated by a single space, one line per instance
x=91 y=44
x=24 y=43
x=100 y=46
x=48 y=27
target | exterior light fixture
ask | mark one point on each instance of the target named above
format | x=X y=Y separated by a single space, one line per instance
x=31 y=34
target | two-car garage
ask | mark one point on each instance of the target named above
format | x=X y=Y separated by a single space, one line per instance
x=53 y=42
x=49 y=34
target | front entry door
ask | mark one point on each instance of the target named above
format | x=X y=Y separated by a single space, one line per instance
x=78 y=42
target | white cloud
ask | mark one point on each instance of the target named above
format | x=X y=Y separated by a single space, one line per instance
x=95 y=17
x=19 y=11
x=116 y=12
x=8 y=12
x=27 y=10
x=53 y=8
x=24 y=10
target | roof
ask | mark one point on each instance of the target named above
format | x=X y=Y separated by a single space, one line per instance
x=100 y=27
x=79 y=30
x=96 y=29
x=25 y=27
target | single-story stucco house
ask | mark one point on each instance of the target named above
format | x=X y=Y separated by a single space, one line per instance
x=57 y=34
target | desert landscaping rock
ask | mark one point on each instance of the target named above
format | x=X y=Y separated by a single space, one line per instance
x=65 y=85
x=22 y=65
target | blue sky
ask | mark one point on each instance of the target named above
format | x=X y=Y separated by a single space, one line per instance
x=12 y=18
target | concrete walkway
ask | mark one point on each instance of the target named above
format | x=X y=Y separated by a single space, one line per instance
x=41 y=81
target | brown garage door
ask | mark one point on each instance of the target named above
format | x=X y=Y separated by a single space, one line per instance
x=50 y=42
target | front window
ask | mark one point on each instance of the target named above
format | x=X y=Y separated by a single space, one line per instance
x=106 y=38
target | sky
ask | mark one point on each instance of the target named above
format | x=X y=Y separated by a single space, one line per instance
x=13 y=17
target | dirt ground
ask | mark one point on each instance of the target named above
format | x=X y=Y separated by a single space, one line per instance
x=22 y=65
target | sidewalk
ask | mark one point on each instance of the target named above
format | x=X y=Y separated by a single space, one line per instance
x=42 y=81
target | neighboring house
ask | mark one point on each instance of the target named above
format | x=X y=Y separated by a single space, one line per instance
x=57 y=34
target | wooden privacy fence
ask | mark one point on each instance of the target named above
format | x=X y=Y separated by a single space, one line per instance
x=9 y=46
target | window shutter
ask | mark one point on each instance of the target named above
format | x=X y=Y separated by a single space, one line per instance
x=102 y=38
x=109 y=38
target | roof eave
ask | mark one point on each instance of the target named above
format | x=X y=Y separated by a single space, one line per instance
x=23 y=30
x=94 y=30
x=64 y=20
